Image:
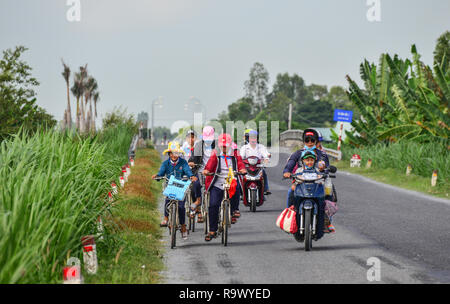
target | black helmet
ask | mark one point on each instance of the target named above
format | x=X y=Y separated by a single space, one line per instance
x=310 y=133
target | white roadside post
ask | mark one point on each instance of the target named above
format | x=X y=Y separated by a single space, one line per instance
x=408 y=169
x=434 y=178
x=355 y=161
x=122 y=181
x=89 y=254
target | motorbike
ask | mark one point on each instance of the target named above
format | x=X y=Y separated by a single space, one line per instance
x=253 y=183
x=309 y=203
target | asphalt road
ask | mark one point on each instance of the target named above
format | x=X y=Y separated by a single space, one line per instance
x=408 y=232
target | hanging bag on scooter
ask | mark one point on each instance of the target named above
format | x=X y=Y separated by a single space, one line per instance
x=287 y=220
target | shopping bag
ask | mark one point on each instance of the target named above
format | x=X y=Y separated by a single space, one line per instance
x=287 y=220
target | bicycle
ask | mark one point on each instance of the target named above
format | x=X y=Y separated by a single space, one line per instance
x=172 y=210
x=191 y=213
x=225 y=209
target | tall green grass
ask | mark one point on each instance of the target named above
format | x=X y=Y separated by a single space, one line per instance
x=53 y=186
x=424 y=158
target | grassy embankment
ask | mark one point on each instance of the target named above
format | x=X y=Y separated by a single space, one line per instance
x=389 y=166
x=136 y=256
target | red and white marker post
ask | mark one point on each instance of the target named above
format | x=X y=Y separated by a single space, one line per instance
x=72 y=272
x=355 y=161
x=89 y=254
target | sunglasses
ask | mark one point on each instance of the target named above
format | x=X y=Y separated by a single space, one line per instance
x=308 y=140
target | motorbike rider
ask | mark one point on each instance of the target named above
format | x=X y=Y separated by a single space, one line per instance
x=253 y=148
x=307 y=165
x=200 y=156
x=220 y=162
x=177 y=166
x=310 y=138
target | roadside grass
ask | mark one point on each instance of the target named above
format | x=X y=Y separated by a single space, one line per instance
x=136 y=257
x=398 y=178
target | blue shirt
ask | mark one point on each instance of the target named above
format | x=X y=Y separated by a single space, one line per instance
x=180 y=169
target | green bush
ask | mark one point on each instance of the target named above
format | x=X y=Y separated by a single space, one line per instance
x=53 y=188
x=424 y=158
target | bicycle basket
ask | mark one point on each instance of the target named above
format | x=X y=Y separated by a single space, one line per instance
x=176 y=189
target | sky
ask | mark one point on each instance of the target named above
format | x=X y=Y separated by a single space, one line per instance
x=139 y=50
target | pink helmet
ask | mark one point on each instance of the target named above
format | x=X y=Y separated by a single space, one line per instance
x=208 y=133
x=225 y=140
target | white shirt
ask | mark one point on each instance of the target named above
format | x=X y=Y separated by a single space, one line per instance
x=259 y=151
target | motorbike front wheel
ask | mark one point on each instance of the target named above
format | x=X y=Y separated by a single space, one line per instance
x=253 y=201
x=308 y=230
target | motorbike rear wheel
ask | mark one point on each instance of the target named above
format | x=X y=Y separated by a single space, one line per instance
x=308 y=230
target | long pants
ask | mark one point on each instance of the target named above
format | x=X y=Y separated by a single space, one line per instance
x=181 y=211
x=266 y=181
x=234 y=202
x=215 y=200
x=196 y=190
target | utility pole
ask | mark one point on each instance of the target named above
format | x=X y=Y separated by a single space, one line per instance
x=290 y=116
x=157 y=101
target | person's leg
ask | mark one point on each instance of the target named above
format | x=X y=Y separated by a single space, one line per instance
x=234 y=202
x=215 y=199
x=181 y=212
x=166 y=215
x=289 y=200
x=320 y=219
x=266 y=182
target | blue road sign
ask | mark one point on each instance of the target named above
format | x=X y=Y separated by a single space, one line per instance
x=343 y=115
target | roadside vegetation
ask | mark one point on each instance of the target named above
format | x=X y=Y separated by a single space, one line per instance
x=54 y=187
x=134 y=254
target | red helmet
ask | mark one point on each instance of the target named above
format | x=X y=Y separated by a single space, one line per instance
x=225 y=140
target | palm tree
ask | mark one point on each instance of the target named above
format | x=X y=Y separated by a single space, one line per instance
x=91 y=87
x=68 y=112
x=83 y=85
x=77 y=91
x=96 y=99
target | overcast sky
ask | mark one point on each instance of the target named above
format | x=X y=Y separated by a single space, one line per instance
x=141 y=49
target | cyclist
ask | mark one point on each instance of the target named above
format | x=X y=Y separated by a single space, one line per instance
x=177 y=166
x=219 y=163
x=188 y=145
x=201 y=153
x=253 y=148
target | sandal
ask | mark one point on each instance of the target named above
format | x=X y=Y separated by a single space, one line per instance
x=163 y=223
x=237 y=214
x=233 y=220
x=210 y=236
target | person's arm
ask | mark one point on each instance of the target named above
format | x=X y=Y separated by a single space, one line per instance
x=264 y=152
x=292 y=162
x=242 y=152
x=162 y=169
x=240 y=164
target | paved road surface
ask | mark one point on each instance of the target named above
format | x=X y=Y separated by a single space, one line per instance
x=407 y=231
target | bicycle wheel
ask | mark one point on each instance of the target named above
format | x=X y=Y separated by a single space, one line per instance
x=173 y=224
x=225 y=222
x=187 y=208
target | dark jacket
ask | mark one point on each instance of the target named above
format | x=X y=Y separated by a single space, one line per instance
x=197 y=156
x=179 y=170
x=295 y=160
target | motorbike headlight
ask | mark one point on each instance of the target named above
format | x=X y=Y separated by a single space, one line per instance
x=252 y=161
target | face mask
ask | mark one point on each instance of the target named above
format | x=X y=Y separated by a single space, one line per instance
x=208 y=143
x=310 y=149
